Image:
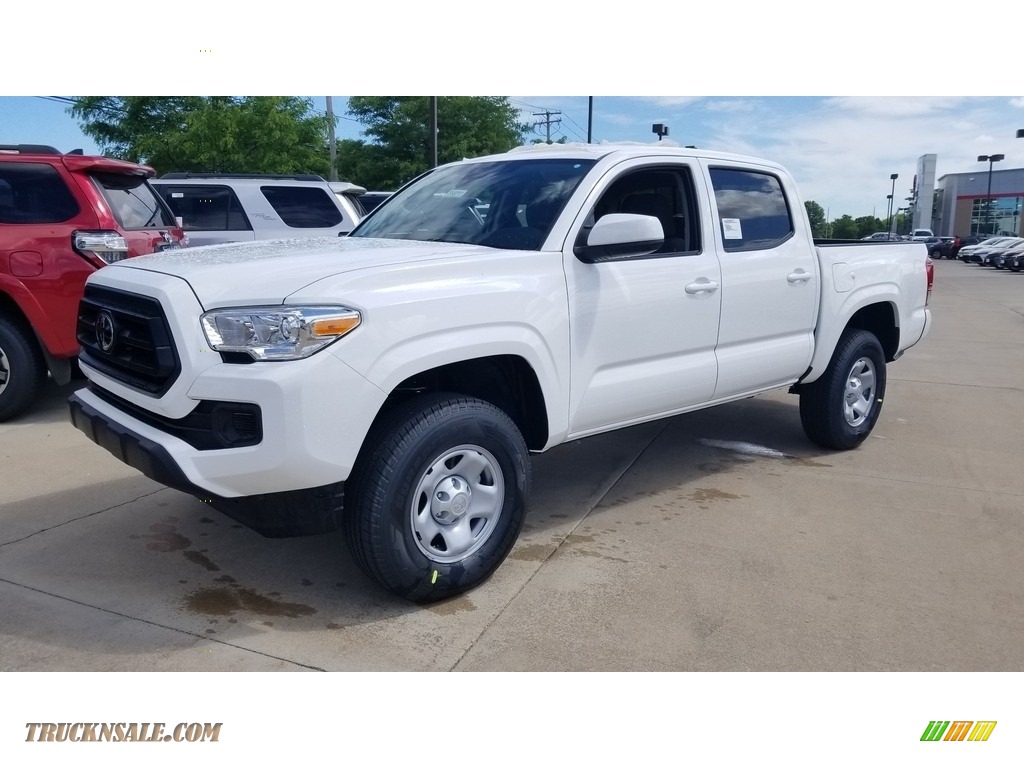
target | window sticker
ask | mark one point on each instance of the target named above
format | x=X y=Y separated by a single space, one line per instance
x=731 y=229
x=452 y=193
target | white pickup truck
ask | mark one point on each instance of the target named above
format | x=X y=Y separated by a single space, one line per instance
x=395 y=381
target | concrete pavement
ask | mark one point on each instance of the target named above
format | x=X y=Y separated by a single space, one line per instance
x=669 y=546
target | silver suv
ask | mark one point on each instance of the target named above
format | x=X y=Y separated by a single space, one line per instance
x=225 y=208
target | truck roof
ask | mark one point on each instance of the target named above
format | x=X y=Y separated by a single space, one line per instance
x=625 y=150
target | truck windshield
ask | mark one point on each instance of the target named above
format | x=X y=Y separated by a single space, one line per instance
x=501 y=204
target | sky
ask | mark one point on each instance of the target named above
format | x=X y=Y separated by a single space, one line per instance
x=842 y=150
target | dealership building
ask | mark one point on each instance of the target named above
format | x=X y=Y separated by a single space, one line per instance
x=965 y=203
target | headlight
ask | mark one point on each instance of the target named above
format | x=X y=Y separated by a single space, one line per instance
x=277 y=333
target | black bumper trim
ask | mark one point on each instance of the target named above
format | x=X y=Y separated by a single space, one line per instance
x=305 y=512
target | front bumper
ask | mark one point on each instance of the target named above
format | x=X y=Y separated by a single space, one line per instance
x=302 y=512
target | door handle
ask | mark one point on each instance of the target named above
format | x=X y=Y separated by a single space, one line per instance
x=798 y=277
x=702 y=286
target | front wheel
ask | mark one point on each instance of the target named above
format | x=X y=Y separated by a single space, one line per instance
x=22 y=369
x=839 y=410
x=438 y=496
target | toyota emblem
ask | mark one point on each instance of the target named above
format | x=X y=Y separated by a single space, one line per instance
x=106 y=331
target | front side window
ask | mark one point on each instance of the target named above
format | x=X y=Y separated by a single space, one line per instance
x=133 y=201
x=511 y=204
x=665 y=193
x=303 y=207
x=34 y=193
x=752 y=210
x=206 y=207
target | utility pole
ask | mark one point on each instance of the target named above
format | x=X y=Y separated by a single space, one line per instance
x=330 y=139
x=547 y=121
x=590 y=121
x=433 y=131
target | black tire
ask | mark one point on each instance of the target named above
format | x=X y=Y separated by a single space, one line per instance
x=437 y=497
x=22 y=369
x=838 y=411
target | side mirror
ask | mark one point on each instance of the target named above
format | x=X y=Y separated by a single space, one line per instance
x=621 y=236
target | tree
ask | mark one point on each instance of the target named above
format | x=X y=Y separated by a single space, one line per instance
x=867 y=225
x=844 y=228
x=253 y=134
x=816 y=215
x=398 y=135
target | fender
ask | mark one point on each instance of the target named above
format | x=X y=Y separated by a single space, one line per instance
x=835 y=314
x=407 y=357
x=34 y=313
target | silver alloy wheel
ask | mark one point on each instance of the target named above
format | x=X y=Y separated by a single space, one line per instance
x=858 y=399
x=457 y=503
x=5 y=370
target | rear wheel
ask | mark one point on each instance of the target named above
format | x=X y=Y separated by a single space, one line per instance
x=839 y=410
x=438 y=496
x=22 y=369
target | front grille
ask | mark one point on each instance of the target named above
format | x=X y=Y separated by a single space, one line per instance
x=126 y=337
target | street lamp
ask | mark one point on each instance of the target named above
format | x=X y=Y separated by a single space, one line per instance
x=892 y=196
x=988 y=197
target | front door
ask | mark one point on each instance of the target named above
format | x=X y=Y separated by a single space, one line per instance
x=644 y=329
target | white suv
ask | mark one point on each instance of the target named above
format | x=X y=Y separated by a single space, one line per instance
x=225 y=208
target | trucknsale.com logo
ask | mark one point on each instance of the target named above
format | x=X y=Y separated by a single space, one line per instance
x=123 y=732
x=958 y=730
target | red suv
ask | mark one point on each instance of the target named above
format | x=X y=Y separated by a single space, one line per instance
x=62 y=217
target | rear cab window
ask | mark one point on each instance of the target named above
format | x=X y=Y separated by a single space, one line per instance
x=753 y=213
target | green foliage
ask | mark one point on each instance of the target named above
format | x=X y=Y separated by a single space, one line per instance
x=253 y=134
x=397 y=128
x=844 y=228
x=867 y=225
x=816 y=215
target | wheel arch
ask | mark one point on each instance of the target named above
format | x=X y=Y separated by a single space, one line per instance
x=506 y=381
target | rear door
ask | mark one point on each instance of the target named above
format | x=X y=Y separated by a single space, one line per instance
x=769 y=277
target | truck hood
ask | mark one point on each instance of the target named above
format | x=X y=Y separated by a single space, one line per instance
x=268 y=271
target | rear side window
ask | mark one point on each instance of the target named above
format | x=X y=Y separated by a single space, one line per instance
x=752 y=210
x=134 y=202
x=303 y=207
x=34 y=193
x=205 y=208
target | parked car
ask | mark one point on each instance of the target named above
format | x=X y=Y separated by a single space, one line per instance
x=371 y=200
x=985 y=253
x=921 y=235
x=944 y=248
x=1002 y=256
x=350 y=197
x=967 y=251
x=226 y=208
x=1015 y=261
x=882 y=236
x=62 y=217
